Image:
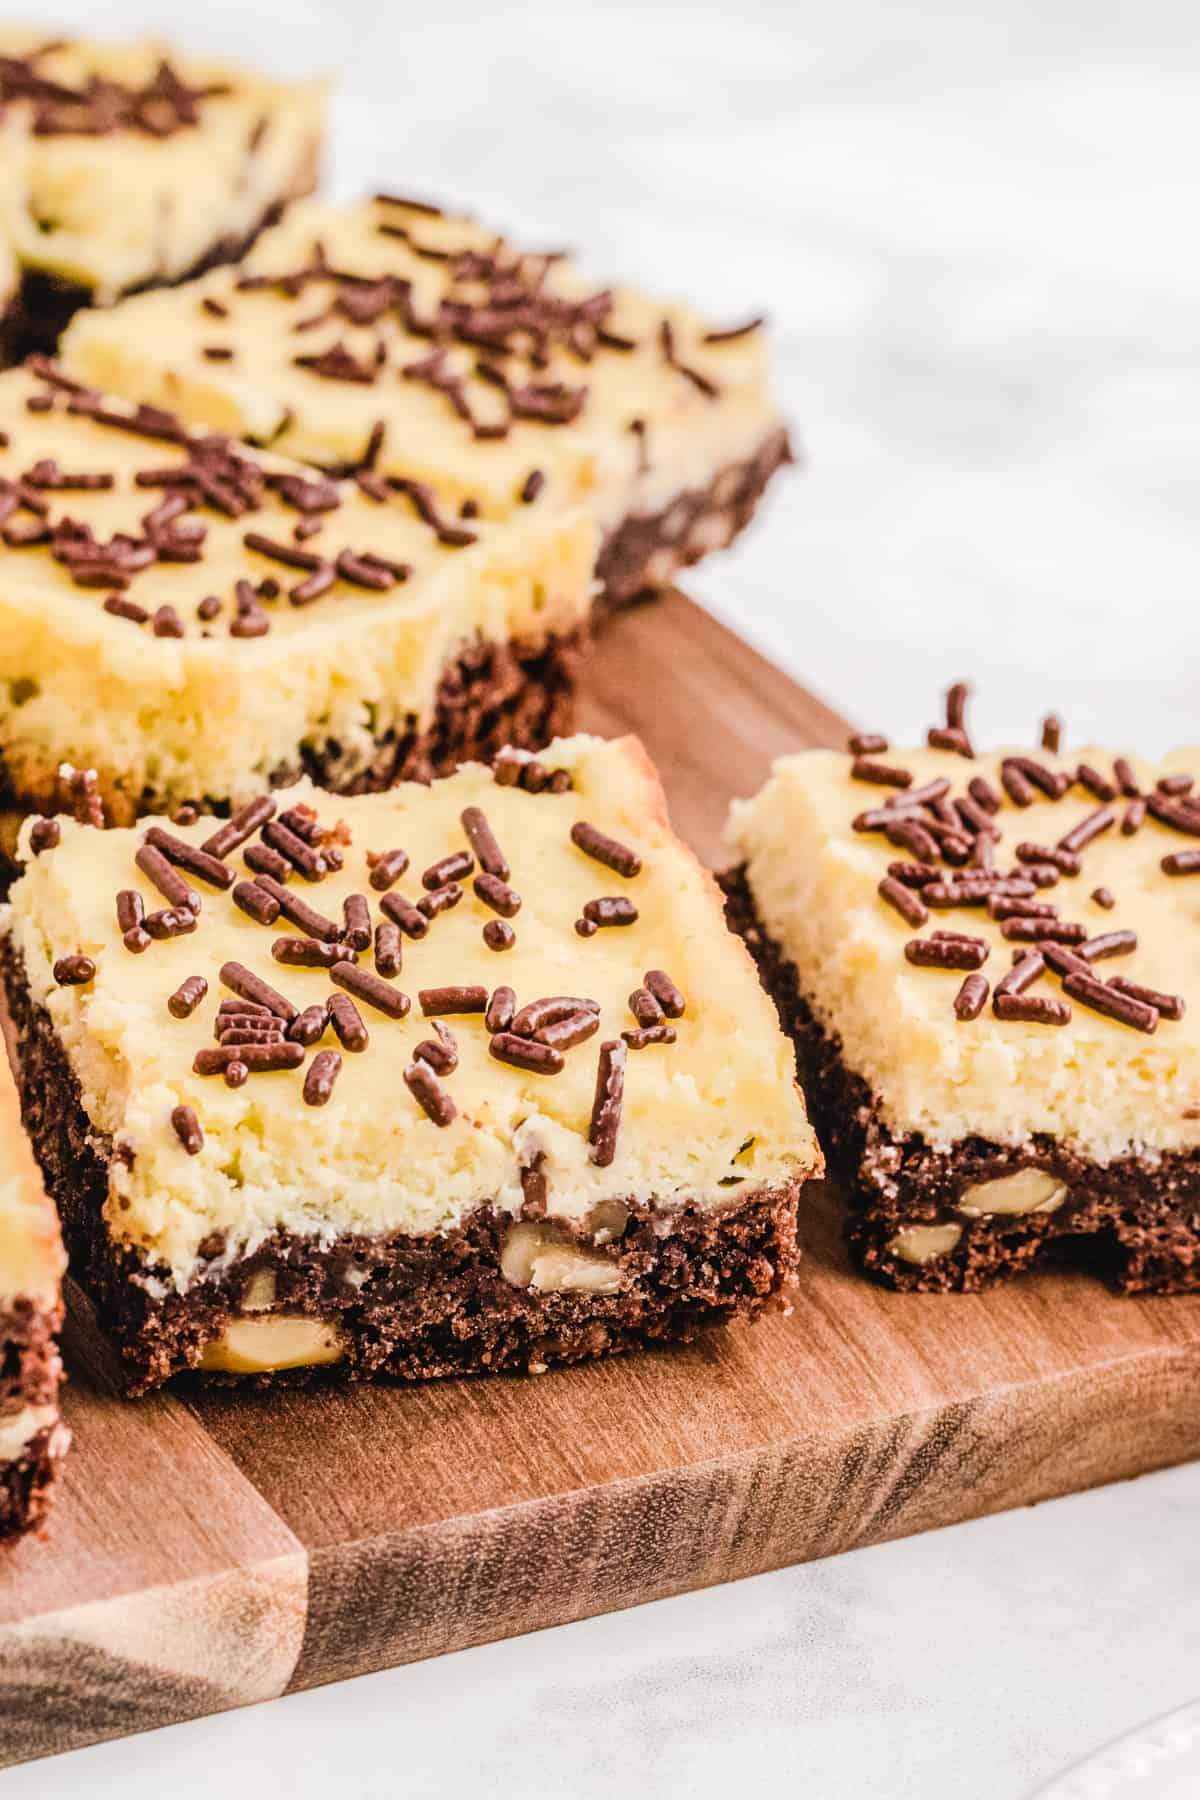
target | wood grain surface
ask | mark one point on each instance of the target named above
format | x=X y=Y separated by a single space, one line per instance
x=212 y=1548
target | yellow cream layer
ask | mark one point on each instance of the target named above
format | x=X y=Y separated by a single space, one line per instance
x=31 y=1254
x=152 y=348
x=1098 y=1085
x=126 y=207
x=210 y=714
x=705 y=1119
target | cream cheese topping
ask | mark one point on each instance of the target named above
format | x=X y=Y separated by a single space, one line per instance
x=704 y=1120
x=650 y=423
x=1104 y=1089
x=206 y=713
x=114 y=210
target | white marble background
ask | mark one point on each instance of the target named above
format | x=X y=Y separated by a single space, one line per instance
x=974 y=224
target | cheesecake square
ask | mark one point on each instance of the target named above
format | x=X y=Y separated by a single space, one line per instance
x=990 y=965
x=185 y=621
x=392 y=338
x=447 y=1079
x=130 y=166
x=33 y=1439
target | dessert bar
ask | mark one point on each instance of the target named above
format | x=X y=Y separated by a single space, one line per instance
x=991 y=968
x=452 y=1078
x=127 y=167
x=33 y=1438
x=187 y=622
x=390 y=338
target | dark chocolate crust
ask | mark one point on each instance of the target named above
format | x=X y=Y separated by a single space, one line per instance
x=27 y=1485
x=1135 y=1221
x=29 y=1376
x=408 y=1307
x=490 y=697
x=646 y=551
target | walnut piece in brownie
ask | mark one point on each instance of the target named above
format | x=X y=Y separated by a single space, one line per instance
x=405 y=1153
x=130 y=166
x=390 y=337
x=33 y=1439
x=991 y=967
x=193 y=620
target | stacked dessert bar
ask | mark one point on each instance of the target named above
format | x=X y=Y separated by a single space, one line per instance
x=450 y=1078
x=989 y=965
x=126 y=167
x=390 y=337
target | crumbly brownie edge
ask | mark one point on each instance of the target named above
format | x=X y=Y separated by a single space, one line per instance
x=1136 y=1221
x=27 y=1484
x=30 y=1371
x=413 y=1308
x=646 y=551
x=491 y=697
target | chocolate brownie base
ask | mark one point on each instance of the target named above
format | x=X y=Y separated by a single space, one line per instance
x=27 y=1485
x=412 y=1308
x=29 y=1376
x=646 y=552
x=1136 y=1221
x=46 y=304
x=492 y=697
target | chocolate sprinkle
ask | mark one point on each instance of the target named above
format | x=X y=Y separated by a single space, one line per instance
x=498 y=895
x=249 y=897
x=1169 y=1005
x=187 y=1129
x=298 y=911
x=606 y=1106
x=347 y=1022
x=44 y=835
x=356 y=922
x=606 y=850
x=386 y=868
x=429 y=1093
x=412 y=922
x=440 y=1052
x=170 y=885
x=488 y=854
x=439 y=901
x=187 y=997
x=649 y=1034
x=244 y=823
x=307 y=952
x=1090 y=991
x=280 y=1053
x=971 y=998
x=499 y=935
x=500 y=1010
x=940 y=952
x=610 y=910
x=389 y=949
x=453 y=868
x=183 y=855
x=74 y=971
x=171 y=922
x=322 y=1072
x=666 y=993
x=911 y=909
x=310 y=1025
x=524 y=1053
x=1032 y=1009
x=452 y=1000
x=243 y=981
x=369 y=987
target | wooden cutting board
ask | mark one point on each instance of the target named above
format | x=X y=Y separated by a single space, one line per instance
x=210 y=1549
